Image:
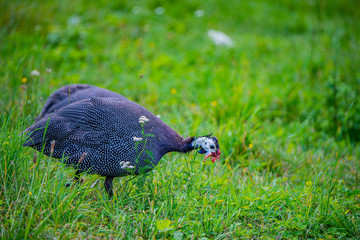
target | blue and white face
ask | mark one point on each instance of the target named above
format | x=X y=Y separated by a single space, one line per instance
x=208 y=146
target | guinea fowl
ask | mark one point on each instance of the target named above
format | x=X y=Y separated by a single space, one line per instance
x=111 y=137
x=72 y=93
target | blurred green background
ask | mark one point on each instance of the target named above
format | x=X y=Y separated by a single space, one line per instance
x=283 y=100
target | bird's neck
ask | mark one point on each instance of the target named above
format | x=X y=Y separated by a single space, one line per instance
x=191 y=143
x=186 y=145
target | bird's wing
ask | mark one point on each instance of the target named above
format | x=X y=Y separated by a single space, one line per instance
x=61 y=97
x=77 y=124
x=73 y=93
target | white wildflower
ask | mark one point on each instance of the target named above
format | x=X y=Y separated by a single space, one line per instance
x=199 y=13
x=159 y=10
x=48 y=70
x=143 y=119
x=35 y=73
x=220 y=38
x=158 y=116
x=124 y=164
x=73 y=20
x=137 y=139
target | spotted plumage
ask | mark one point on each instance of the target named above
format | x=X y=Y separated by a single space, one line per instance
x=111 y=137
x=73 y=93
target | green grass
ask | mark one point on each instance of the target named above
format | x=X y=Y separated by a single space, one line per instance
x=283 y=101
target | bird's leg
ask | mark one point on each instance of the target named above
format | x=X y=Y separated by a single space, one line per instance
x=76 y=178
x=108 y=186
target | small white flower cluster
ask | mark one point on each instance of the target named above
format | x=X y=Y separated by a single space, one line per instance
x=124 y=164
x=199 y=13
x=143 y=119
x=73 y=20
x=220 y=38
x=35 y=73
x=159 y=10
x=137 y=139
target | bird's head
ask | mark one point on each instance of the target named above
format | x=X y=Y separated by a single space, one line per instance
x=208 y=146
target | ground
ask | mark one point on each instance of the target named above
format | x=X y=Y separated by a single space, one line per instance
x=283 y=101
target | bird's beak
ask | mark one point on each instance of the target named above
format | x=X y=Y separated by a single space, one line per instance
x=213 y=156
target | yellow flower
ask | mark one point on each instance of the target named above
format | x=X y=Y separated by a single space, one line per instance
x=173 y=91
x=214 y=103
x=30 y=193
x=251 y=145
x=24 y=80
